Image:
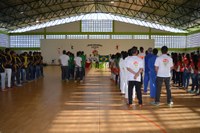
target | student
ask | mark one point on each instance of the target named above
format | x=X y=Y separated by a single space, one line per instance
x=194 y=75
x=152 y=73
x=71 y=65
x=2 y=70
x=15 y=69
x=64 y=59
x=129 y=55
x=83 y=57
x=78 y=67
x=123 y=82
x=146 y=69
x=135 y=66
x=8 y=66
x=179 y=71
x=187 y=71
x=163 y=67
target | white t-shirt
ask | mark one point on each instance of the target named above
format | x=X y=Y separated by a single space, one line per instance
x=64 y=60
x=135 y=63
x=164 y=64
x=78 y=61
x=141 y=55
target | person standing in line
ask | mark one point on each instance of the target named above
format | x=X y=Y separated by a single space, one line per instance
x=163 y=67
x=146 y=70
x=8 y=66
x=135 y=66
x=71 y=65
x=15 y=69
x=152 y=73
x=2 y=70
x=78 y=67
x=64 y=59
x=83 y=57
x=122 y=67
x=141 y=54
x=129 y=55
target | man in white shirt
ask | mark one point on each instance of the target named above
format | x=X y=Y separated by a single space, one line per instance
x=64 y=66
x=135 y=66
x=163 y=66
x=78 y=67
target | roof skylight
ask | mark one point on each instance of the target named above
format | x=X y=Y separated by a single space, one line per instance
x=99 y=16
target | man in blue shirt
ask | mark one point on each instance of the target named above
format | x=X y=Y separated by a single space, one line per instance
x=146 y=70
x=152 y=73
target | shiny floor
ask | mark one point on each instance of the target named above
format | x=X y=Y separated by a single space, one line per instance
x=49 y=105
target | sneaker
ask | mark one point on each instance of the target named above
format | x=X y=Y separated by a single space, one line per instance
x=19 y=85
x=81 y=81
x=170 y=104
x=75 y=81
x=155 y=103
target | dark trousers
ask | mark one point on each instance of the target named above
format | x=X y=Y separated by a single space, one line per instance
x=174 y=76
x=194 y=82
x=15 y=75
x=64 y=72
x=137 y=86
x=159 y=81
x=179 y=78
x=78 y=73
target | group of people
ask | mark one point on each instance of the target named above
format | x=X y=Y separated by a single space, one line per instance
x=16 y=69
x=186 y=68
x=135 y=68
x=72 y=67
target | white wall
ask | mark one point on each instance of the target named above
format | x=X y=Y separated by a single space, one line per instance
x=70 y=27
x=126 y=27
x=52 y=48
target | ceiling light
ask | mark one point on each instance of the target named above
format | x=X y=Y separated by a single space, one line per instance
x=21 y=12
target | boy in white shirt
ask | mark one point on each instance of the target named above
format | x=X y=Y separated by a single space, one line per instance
x=78 y=67
x=64 y=66
x=135 y=66
x=163 y=66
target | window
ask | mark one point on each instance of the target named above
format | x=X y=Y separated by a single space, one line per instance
x=140 y=37
x=121 y=36
x=99 y=36
x=4 y=40
x=55 y=37
x=193 y=40
x=169 y=41
x=25 y=40
x=76 y=36
x=97 y=26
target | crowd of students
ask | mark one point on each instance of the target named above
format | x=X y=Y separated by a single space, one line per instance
x=135 y=68
x=72 y=67
x=17 y=69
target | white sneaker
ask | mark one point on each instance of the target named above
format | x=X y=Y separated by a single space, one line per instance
x=170 y=104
